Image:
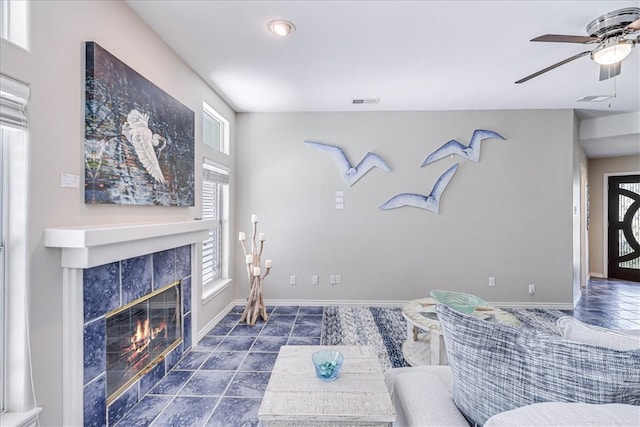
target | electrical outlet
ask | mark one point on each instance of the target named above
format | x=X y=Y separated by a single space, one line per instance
x=332 y=279
x=338 y=279
x=314 y=279
x=292 y=280
x=492 y=281
x=532 y=289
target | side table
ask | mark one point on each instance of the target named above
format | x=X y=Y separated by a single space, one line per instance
x=424 y=348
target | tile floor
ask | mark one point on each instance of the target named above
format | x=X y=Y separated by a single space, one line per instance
x=612 y=304
x=221 y=382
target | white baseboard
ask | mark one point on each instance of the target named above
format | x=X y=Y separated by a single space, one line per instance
x=315 y=303
x=597 y=275
x=400 y=303
x=544 y=305
x=213 y=322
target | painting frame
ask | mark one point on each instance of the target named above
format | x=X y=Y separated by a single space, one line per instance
x=139 y=140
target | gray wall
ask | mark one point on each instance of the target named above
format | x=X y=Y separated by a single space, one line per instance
x=55 y=70
x=509 y=216
x=598 y=168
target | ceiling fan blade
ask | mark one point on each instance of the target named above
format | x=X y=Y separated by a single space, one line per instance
x=612 y=70
x=635 y=25
x=559 y=38
x=551 y=67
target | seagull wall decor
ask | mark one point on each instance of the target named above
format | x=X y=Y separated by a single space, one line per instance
x=471 y=152
x=430 y=202
x=136 y=130
x=350 y=173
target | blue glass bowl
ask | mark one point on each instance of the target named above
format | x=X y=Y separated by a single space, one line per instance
x=327 y=364
x=459 y=301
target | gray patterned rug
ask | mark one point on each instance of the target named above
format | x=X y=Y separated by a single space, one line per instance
x=537 y=318
x=385 y=329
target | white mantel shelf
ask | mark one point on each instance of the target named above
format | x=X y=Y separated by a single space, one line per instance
x=90 y=246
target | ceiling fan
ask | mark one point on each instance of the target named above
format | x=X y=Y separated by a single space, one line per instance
x=615 y=34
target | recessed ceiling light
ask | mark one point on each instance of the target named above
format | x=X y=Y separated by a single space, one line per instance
x=281 y=27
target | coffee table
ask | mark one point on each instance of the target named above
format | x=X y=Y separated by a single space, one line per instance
x=295 y=396
x=428 y=347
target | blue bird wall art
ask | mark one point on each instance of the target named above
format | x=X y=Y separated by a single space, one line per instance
x=430 y=202
x=350 y=173
x=471 y=152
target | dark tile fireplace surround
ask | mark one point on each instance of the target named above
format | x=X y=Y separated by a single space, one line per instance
x=113 y=285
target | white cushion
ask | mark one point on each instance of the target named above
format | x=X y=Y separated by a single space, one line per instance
x=422 y=396
x=559 y=414
x=574 y=330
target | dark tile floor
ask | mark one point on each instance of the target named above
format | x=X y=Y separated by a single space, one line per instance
x=612 y=304
x=221 y=382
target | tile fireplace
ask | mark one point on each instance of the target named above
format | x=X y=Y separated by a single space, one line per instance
x=136 y=314
x=109 y=269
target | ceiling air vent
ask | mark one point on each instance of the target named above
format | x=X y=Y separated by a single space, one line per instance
x=365 y=101
x=595 y=98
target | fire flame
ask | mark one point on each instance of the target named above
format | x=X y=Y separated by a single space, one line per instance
x=143 y=336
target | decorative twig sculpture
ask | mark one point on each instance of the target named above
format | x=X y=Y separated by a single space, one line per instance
x=255 y=303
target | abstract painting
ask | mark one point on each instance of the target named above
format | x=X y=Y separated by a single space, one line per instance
x=139 y=140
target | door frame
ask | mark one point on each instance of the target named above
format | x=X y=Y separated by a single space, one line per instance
x=605 y=218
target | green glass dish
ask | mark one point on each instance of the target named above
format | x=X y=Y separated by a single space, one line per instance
x=459 y=301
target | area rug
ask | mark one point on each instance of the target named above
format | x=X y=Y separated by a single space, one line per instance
x=384 y=328
x=540 y=319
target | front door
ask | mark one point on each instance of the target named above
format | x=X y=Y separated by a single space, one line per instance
x=624 y=227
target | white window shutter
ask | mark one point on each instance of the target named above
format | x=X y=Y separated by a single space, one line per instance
x=13 y=103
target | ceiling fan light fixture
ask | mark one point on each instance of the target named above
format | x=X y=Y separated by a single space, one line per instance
x=611 y=52
x=281 y=27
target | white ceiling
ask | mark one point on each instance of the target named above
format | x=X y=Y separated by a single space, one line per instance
x=413 y=55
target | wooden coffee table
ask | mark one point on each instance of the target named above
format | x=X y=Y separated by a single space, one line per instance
x=428 y=347
x=295 y=396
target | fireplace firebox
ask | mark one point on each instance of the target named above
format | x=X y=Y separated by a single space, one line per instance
x=139 y=336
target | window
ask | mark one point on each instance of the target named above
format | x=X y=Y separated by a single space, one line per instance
x=2 y=293
x=215 y=132
x=215 y=202
x=215 y=198
x=13 y=21
x=14 y=359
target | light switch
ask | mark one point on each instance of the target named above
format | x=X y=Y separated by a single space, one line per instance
x=339 y=200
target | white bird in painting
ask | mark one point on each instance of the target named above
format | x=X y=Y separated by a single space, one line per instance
x=136 y=130
x=430 y=202
x=349 y=173
x=471 y=152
